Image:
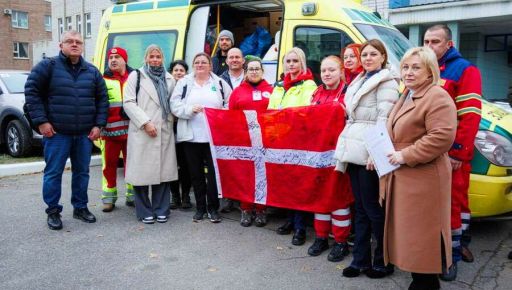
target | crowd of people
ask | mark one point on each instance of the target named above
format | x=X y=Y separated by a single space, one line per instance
x=417 y=216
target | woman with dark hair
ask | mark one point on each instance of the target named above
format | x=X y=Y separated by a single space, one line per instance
x=368 y=100
x=151 y=152
x=196 y=91
x=252 y=94
x=178 y=70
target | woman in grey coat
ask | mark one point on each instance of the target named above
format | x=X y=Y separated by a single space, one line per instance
x=151 y=152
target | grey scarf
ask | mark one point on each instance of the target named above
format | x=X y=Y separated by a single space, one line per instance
x=157 y=75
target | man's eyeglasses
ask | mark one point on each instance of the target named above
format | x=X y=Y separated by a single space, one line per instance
x=72 y=41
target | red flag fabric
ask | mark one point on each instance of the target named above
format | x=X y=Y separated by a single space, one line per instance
x=281 y=158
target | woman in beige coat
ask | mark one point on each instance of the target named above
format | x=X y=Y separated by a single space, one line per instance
x=417 y=195
x=151 y=150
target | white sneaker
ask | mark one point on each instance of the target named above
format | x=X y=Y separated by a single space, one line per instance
x=161 y=219
x=148 y=220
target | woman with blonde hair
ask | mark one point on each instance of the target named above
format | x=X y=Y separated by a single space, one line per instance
x=369 y=99
x=151 y=152
x=422 y=127
x=295 y=90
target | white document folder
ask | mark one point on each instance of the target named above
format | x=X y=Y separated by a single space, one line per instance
x=379 y=145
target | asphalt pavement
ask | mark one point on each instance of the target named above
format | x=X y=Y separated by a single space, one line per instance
x=119 y=252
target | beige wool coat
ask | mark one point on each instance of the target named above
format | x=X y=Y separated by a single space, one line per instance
x=417 y=195
x=150 y=160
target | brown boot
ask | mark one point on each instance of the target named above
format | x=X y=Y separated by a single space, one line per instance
x=467 y=256
x=108 y=207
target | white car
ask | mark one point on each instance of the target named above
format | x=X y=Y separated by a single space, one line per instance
x=15 y=131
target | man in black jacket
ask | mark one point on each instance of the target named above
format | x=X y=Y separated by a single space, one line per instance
x=67 y=101
x=226 y=42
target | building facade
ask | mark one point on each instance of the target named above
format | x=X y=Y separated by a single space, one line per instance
x=80 y=15
x=482 y=31
x=22 y=24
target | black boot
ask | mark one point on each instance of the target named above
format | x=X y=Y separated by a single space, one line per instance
x=318 y=247
x=424 y=282
x=54 y=221
x=175 y=201
x=185 y=201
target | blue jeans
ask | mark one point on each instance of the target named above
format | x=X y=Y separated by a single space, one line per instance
x=369 y=219
x=57 y=149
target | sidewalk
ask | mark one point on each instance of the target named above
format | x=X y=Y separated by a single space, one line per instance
x=35 y=167
x=118 y=252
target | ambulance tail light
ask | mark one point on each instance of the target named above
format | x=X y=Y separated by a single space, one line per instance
x=494 y=147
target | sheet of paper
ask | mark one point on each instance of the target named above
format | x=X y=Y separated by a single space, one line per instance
x=379 y=145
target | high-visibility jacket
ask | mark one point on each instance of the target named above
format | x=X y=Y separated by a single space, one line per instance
x=462 y=81
x=117 y=127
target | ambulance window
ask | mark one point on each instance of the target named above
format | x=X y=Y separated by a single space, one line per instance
x=317 y=43
x=136 y=42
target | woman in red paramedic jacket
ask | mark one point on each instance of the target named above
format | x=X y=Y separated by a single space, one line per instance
x=252 y=94
x=338 y=221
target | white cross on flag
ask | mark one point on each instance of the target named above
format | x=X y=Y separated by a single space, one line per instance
x=279 y=158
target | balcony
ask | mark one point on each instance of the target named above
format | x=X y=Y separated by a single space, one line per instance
x=394 y=4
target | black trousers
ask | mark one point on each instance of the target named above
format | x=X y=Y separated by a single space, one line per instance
x=424 y=281
x=183 y=175
x=369 y=218
x=205 y=189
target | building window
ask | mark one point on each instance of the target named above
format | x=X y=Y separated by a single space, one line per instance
x=19 y=19
x=61 y=27
x=69 y=24
x=47 y=23
x=79 y=23
x=20 y=50
x=88 y=24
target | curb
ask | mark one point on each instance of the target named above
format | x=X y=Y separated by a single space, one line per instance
x=36 y=167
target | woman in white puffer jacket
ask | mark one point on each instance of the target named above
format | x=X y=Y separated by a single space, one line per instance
x=369 y=99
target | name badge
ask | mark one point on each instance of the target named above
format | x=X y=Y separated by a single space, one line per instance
x=256 y=96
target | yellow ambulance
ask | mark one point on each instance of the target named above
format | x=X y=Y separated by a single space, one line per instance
x=320 y=27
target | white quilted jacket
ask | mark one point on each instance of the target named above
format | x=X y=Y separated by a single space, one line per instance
x=367 y=102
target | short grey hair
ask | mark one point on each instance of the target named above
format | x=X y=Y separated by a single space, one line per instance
x=68 y=33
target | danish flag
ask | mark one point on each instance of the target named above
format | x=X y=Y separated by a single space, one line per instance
x=281 y=158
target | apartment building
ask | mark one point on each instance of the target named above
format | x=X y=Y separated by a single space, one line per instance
x=22 y=23
x=80 y=15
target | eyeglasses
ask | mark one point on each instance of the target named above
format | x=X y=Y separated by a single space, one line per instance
x=254 y=70
x=72 y=41
x=201 y=63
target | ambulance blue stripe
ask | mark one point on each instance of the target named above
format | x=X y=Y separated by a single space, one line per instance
x=117 y=9
x=172 y=3
x=498 y=129
x=139 y=6
x=484 y=124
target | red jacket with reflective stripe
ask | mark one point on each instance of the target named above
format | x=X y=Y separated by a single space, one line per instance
x=462 y=81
